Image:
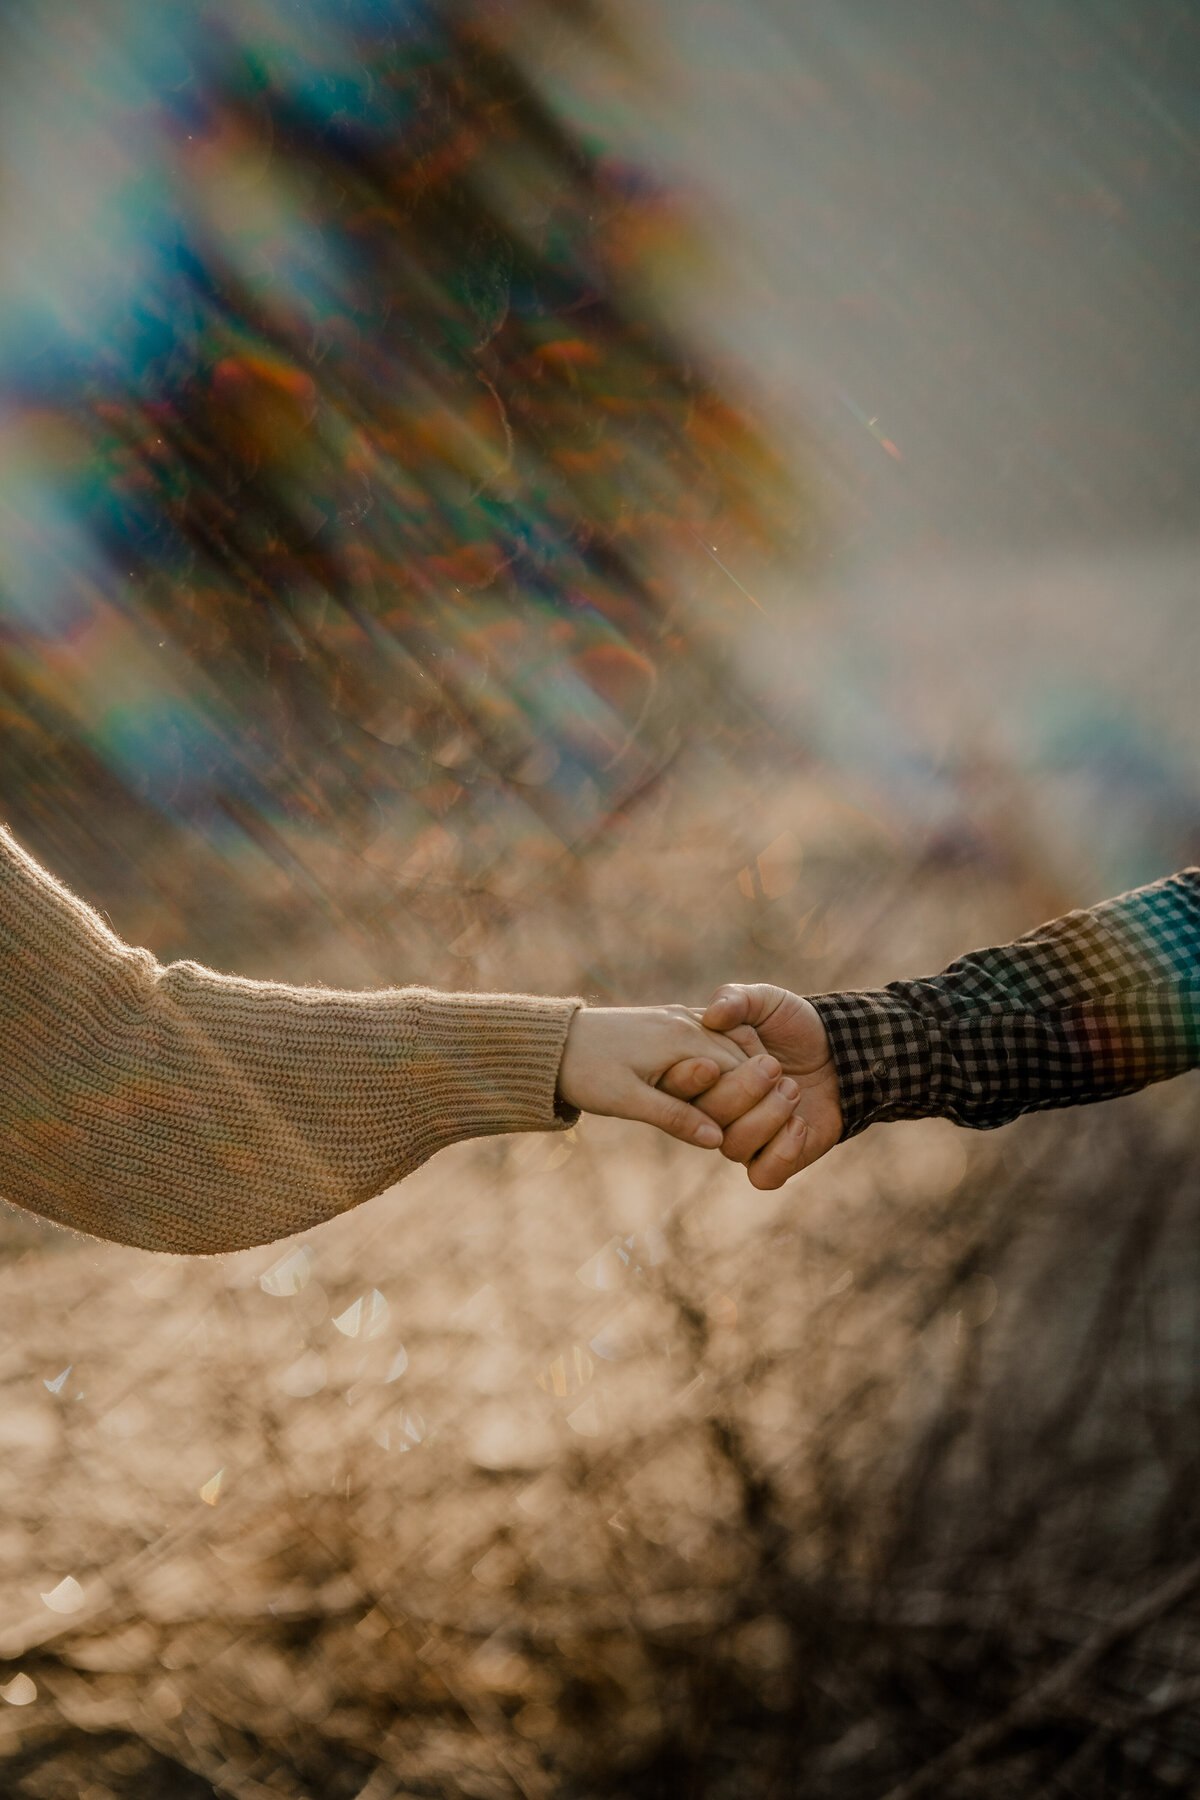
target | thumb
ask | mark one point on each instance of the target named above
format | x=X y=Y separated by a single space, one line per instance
x=695 y=1075
x=675 y=1117
x=740 y=1004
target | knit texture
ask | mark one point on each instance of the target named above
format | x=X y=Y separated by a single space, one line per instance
x=1092 y=1005
x=177 y=1109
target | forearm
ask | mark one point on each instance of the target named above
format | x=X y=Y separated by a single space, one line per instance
x=182 y=1110
x=1095 y=1004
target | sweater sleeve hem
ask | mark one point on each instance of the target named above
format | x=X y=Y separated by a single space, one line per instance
x=486 y=1063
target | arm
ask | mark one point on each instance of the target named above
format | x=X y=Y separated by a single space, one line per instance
x=178 y=1109
x=1092 y=1005
x=1089 y=1006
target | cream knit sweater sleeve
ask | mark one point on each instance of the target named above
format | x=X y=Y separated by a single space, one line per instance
x=182 y=1110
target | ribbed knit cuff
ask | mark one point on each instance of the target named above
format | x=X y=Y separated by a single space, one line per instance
x=883 y=1057
x=486 y=1063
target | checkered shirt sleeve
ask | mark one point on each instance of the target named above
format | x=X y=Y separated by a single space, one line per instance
x=1092 y=1005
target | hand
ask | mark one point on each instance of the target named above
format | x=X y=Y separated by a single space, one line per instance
x=781 y=1111
x=615 y=1055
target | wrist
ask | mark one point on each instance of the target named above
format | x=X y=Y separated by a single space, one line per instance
x=881 y=1056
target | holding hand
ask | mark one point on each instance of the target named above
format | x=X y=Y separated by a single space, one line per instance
x=781 y=1111
x=616 y=1055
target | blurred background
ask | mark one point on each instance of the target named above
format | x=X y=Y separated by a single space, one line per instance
x=559 y=496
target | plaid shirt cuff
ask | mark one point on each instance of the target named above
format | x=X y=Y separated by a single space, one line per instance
x=883 y=1056
x=1090 y=1006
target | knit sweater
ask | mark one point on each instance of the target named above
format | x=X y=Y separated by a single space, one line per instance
x=178 y=1109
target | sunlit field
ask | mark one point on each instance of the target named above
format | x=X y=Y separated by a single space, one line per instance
x=554 y=501
x=576 y=1466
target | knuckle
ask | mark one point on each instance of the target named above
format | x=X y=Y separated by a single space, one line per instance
x=735 y=1147
x=681 y=1075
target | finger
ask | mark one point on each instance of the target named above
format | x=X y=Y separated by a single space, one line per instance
x=755 y=1129
x=694 y=1075
x=783 y=1157
x=687 y=1038
x=736 y=1092
x=675 y=1117
x=725 y=1051
x=729 y=1006
x=739 y=1003
x=747 y=1039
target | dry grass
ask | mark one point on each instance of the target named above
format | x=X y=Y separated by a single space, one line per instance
x=632 y=1482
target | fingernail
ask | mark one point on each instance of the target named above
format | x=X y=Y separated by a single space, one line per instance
x=797 y=1124
x=787 y=1089
x=708 y=1136
x=770 y=1069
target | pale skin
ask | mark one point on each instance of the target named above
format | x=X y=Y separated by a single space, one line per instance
x=752 y=1076
x=616 y=1056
